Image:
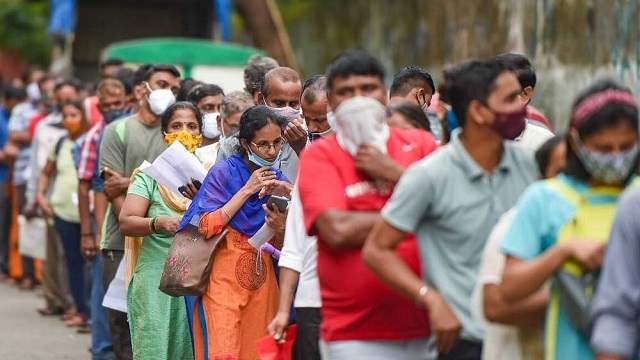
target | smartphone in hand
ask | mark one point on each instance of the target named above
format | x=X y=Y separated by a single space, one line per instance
x=280 y=202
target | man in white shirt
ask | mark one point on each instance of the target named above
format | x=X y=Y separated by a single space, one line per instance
x=298 y=258
x=228 y=121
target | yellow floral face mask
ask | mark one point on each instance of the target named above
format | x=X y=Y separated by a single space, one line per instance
x=190 y=141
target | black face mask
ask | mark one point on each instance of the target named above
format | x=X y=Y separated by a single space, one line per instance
x=313 y=136
x=112 y=115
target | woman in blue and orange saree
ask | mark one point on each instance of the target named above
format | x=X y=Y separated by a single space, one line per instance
x=242 y=296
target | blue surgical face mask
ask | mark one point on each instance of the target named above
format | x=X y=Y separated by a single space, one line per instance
x=262 y=162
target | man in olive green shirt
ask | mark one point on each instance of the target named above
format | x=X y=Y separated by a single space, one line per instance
x=125 y=145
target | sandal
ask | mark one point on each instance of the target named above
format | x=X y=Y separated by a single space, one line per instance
x=50 y=311
x=27 y=284
x=68 y=315
x=84 y=329
x=77 y=321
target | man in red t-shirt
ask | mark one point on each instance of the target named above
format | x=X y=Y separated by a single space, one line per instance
x=344 y=182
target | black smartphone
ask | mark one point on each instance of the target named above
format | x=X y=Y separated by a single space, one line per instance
x=280 y=202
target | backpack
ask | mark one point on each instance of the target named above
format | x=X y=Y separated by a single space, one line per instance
x=592 y=221
x=59 y=144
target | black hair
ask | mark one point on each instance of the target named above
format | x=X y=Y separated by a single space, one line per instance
x=111 y=62
x=543 y=154
x=254 y=119
x=609 y=116
x=140 y=73
x=413 y=113
x=26 y=74
x=127 y=78
x=186 y=85
x=471 y=80
x=78 y=104
x=166 y=116
x=314 y=84
x=354 y=62
x=408 y=78
x=161 y=68
x=67 y=82
x=521 y=66
x=202 y=90
x=14 y=93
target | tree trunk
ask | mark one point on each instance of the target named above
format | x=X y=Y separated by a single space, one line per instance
x=265 y=24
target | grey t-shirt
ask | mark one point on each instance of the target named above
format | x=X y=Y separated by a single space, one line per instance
x=125 y=145
x=452 y=205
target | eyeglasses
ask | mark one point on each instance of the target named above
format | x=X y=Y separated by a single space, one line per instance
x=266 y=146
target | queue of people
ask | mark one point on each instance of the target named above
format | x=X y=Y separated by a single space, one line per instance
x=410 y=222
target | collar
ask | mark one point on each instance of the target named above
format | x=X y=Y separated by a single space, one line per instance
x=469 y=166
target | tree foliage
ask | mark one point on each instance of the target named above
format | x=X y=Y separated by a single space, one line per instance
x=23 y=29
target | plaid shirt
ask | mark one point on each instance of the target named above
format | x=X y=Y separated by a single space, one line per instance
x=88 y=165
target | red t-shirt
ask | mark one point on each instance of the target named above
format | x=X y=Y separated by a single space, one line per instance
x=356 y=305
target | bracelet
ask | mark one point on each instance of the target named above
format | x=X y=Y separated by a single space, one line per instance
x=87 y=234
x=225 y=213
x=152 y=225
x=421 y=293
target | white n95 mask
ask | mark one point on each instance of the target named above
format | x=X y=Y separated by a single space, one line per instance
x=210 y=125
x=160 y=100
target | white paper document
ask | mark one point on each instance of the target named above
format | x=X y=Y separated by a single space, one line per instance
x=263 y=235
x=116 y=296
x=175 y=167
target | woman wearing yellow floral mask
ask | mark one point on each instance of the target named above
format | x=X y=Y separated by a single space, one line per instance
x=149 y=218
x=183 y=122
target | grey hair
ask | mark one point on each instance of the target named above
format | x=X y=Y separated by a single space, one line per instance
x=254 y=72
x=314 y=88
x=235 y=102
x=282 y=73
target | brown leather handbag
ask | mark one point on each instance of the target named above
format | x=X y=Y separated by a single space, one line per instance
x=188 y=265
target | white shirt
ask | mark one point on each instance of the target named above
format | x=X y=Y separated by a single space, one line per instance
x=300 y=253
x=501 y=342
x=208 y=154
x=533 y=137
x=46 y=135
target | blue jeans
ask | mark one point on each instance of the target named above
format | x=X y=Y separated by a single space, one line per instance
x=101 y=346
x=70 y=236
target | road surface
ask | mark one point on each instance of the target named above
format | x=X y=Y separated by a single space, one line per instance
x=25 y=335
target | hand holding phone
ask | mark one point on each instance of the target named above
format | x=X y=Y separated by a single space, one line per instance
x=280 y=202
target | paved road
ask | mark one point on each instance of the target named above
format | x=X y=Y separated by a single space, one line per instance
x=25 y=335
